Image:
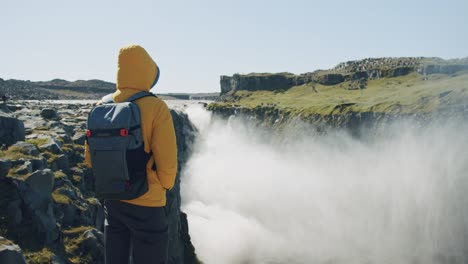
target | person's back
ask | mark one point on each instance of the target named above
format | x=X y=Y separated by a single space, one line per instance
x=141 y=223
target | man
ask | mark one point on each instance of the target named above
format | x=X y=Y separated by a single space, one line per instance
x=141 y=224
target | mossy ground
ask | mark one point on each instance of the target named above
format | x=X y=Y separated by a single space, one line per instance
x=408 y=94
x=38 y=141
x=14 y=153
x=43 y=256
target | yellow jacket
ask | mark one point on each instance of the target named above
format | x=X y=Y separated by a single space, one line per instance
x=137 y=72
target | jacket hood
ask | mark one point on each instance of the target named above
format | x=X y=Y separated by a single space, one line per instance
x=136 y=69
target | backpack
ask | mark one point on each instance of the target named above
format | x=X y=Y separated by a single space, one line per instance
x=116 y=146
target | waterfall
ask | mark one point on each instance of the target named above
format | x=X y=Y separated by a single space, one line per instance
x=398 y=198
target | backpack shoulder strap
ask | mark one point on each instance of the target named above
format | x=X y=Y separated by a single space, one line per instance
x=107 y=99
x=139 y=95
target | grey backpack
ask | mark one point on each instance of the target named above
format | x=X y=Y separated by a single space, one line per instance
x=117 y=151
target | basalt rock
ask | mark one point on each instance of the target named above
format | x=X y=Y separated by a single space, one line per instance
x=27 y=148
x=41 y=181
x=180 y=246
x=10 y=253
x=49 y=113
x=5 y=166
x=56 y=194
x=11 y=129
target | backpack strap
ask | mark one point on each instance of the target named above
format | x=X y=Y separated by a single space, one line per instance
x=107 y=99
x=139 y=95
x=134 y=98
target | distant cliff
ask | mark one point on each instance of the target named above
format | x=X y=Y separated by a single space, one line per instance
x=353 y=95
x=352 y=71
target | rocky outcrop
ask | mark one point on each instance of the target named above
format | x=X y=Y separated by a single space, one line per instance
x=341 y=118
x=11 y=129
x=442 y=69
x=255 y=82
x=46 y=190
x=180 y=246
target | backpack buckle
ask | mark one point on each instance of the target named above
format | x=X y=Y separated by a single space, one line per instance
x=123 y=132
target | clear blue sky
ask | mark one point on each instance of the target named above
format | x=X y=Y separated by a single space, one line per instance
x=195 y=42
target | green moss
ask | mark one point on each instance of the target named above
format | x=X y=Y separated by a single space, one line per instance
x=51 y=157
x=73 y=239
x=38 y=141
x=76 y=179
x=39 y=257
x=59 y=175
x=14 y=153
x=60 y=198
x=76 y=231
x=92 y=201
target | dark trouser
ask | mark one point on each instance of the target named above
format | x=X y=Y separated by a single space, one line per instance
x=142 y=229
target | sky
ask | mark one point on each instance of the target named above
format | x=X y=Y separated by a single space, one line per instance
x=194 y=42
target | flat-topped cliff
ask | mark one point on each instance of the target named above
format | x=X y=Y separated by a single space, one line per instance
x=356 y=71
x=352 y=94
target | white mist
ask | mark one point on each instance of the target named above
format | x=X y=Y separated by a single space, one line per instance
x=327 y=199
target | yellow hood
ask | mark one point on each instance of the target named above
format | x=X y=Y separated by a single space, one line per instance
x=136 y=69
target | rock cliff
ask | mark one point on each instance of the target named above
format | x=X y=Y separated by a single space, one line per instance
x=367 y=69
x=354 y=95
x=47 y=203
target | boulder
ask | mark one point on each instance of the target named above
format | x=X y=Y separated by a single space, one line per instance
x=93 y=244
x=14 y=213
x=60 y=163
x=27 y=148
x=79 y=138
x=10 y=253
x=5 y=166
x=41 y=181
x=11 y=129
x=24 y=169
x=49 y=113
x=38 y=163
x=52 y=147
x=38 y=208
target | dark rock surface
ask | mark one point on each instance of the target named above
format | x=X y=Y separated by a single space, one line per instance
x=27 y=148
x=5 y=166
x=49 y=113
x=41 y=181
x=11 y=129
x=10 y=253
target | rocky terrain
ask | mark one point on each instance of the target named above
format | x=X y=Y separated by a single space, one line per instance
x=59 y=89
x=353 y=95
x=55 y=89
x=48 y=212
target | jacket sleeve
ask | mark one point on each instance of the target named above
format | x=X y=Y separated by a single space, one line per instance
x=164 y=146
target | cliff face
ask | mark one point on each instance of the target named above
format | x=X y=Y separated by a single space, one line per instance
x=363 y=70
x=47 y=203
x=342 y=118
x=353 y=96
x=254 y=82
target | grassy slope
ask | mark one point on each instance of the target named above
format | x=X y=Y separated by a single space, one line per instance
x=406 y=94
